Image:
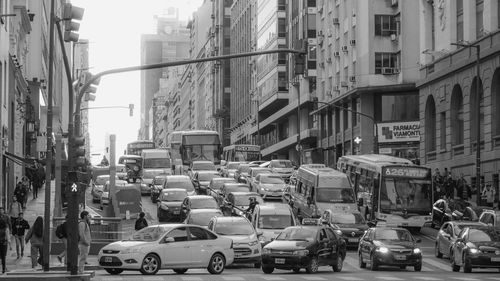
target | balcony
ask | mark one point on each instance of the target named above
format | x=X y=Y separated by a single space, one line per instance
x=278 y=145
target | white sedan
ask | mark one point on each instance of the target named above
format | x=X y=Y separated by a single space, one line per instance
x=168 y=246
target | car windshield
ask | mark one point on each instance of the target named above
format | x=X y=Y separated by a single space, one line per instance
x=348 y=219
x=206 y=176
x=484 y=235
x=271 y=180
x=298 y=234
x=173 y=195
x=202 y=219
x=150 y=233
x=244 y=199
x=158 y=180
x=275 y=221
x=217 y=184
x=204 y=166
x=236 y=188
x=281 y=164
x=405 y=194
x=335 y=195
x=240 y=227
x=393 y=234
x=187 y=185
x=156 y=163
x=458 y=227
x=233 y=166
x=204 y=203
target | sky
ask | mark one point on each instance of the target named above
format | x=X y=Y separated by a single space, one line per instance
x=114 y=28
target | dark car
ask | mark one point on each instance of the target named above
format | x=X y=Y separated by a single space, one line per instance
x=390 y=246
x=351 y=225
x=169 y=204
x=448 y=234
x=476 y=247
x=157 y=186
x=305 y=246
x=442 y=210
x=201 y=180
x=197 y=202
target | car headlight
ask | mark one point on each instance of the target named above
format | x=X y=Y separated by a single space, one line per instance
x=265 y=189
x=301 y=253
x=474 y=251
x=100 y=252
x=266 y=251
x=130 y=250
x=417 y=251
x=253 y=243
x=338 y=231
x=383 y=250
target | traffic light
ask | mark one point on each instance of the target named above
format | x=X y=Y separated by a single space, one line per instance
x=70 y=14
x=131 y=108
x=78 y=154
x=92 y=89
x=300 y=60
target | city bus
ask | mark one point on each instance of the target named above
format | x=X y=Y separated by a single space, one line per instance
x=200 y=145
x=390 y=189
x=136 y=147
x=241 y=153
x=175 y=151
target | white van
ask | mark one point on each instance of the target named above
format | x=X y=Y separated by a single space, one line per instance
x=321 y=189
x=154 y=162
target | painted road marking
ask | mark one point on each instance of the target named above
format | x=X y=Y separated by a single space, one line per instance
x=272 y=278
x=190 y=278
x=425 y=268
x=466 y=279
x=152 y=278
x=426 y=278
x=348 y=278
x=313 y=278
x=388 y=278
x=437 y=264
x=233 y=278
x=351 y=262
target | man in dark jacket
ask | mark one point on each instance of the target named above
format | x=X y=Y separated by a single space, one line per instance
x=141 y=222
x=19 y=227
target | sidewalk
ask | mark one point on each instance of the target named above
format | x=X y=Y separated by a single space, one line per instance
x=35 y=208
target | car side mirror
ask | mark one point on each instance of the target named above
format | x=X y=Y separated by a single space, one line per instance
x=418 y=240
x=168 y=240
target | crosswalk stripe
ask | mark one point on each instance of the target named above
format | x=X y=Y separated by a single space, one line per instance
x=233 y=278
x=112 y=279
x=351 y=262
x=312 y=278
x=466 y=279
x=494 y=278
x=388 y=278
x=190 y=278
x=426 y=278
x=437 y=264
x=348 y=278
x=152 y=278
x=425 y=268
x=270 y=278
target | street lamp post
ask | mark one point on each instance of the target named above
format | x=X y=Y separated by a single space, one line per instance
x=375 y=140
x=478 y=120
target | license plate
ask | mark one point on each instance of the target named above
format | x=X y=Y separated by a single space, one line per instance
x=177 y=212
x=237 y=255
x=353 y=240
x=279 y=261
x=495 y=259
x=400 y=257
x=108 y=259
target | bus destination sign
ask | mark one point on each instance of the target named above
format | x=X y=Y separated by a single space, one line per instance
x=142 y=145
x=409 y=172
x=247 y=148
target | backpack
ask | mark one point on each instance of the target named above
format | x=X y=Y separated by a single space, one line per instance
x=60 y=231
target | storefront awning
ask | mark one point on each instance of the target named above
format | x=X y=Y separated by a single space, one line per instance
x=21 y=161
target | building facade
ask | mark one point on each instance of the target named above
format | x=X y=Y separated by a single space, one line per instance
x=449 y=96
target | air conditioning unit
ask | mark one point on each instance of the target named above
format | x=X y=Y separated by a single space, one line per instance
x=352 y=42
x=320 y=9
x=343 y=84
x=352 y=78
x=320 y=33
x=328 y=93
x=320 y=40
x=396 y=70
x=336 y=21
x=394 y=37
x=336 y=54
x=322 y=64
x=329 y=60
x=344 y=48
x=387 y=70
x=337 y=88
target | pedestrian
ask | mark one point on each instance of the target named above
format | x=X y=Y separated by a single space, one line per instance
x=462 y=187
x=20 y=194
x=84 y=240
x=141 y=222
x=438 y=181
x=104 y=161
x=26 y=188
x=35 y=236
x=5 y=218
x=488 y=194
x=19 y=227
x=14 y=210
x=39 y=179
x=62 y=233
x=449 y=186
x=4 y=243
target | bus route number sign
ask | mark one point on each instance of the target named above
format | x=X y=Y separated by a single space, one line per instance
x=406 y=172
x=248 y=148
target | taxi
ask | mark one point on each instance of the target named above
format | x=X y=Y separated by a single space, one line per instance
x=308 y=246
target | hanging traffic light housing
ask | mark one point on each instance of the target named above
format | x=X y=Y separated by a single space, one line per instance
x=78 y=154
x=300 y=60
x=70 y=14
x=131 y=108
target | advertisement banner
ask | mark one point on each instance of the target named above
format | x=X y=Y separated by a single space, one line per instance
x=399 y=132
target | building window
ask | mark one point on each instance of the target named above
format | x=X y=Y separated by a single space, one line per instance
x=457 y=116
x=385 y=25
x=386 y=62
x=337 y=120
x=460 y=20
x=346 y=117
x=479 y=18
x=355 y=115
x=396 y=107
x=329 y=119
x=430 y=125
x=442 y=134
x=282 y=81
x=474 y=114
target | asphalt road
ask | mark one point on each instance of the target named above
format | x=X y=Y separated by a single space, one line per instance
x=433 y=269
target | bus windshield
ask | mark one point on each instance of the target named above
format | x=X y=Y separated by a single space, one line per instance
x=156 y=163
x=246 y=156
x=405 y=195
x=205 y=152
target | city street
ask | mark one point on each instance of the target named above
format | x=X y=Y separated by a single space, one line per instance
x=433 y=268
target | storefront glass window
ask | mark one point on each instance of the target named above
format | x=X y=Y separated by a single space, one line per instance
x=396 y=107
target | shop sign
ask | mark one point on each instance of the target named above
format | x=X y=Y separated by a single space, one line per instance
x=399 y=132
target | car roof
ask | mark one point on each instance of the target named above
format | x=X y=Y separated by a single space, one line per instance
x=465 y=223
x=242 y=193
x=174 y=189
x=202 y=162
x=207 y=172
x=172 y=177
x=389 y=227
x=224 y=179
x=230 y=219
x=276 y=209
x=103 y=176
x=272 y=175
x=201 y=211
x=200 y=197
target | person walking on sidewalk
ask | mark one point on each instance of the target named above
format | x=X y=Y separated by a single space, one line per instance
x=84 y=240
x=19 y=227
x=4 y=242
x=35 y=236
x=14 y=210
x=141 y=222
x=5 y=218
x=20 y=193
x=488 y=194
x=62 y=234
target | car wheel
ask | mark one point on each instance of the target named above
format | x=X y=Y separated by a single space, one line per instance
x=114 y=271
x=437 y=253
x=313 y=265
x=418 y=267
x=256 y=265
x=217 y=264
x=454 y=266
x=296 y=270
x=180 y=270
x=373 y=263
x=362 y=264
x=267 y=269
x=467 y=265
x=150 y=264
x=337 y=267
